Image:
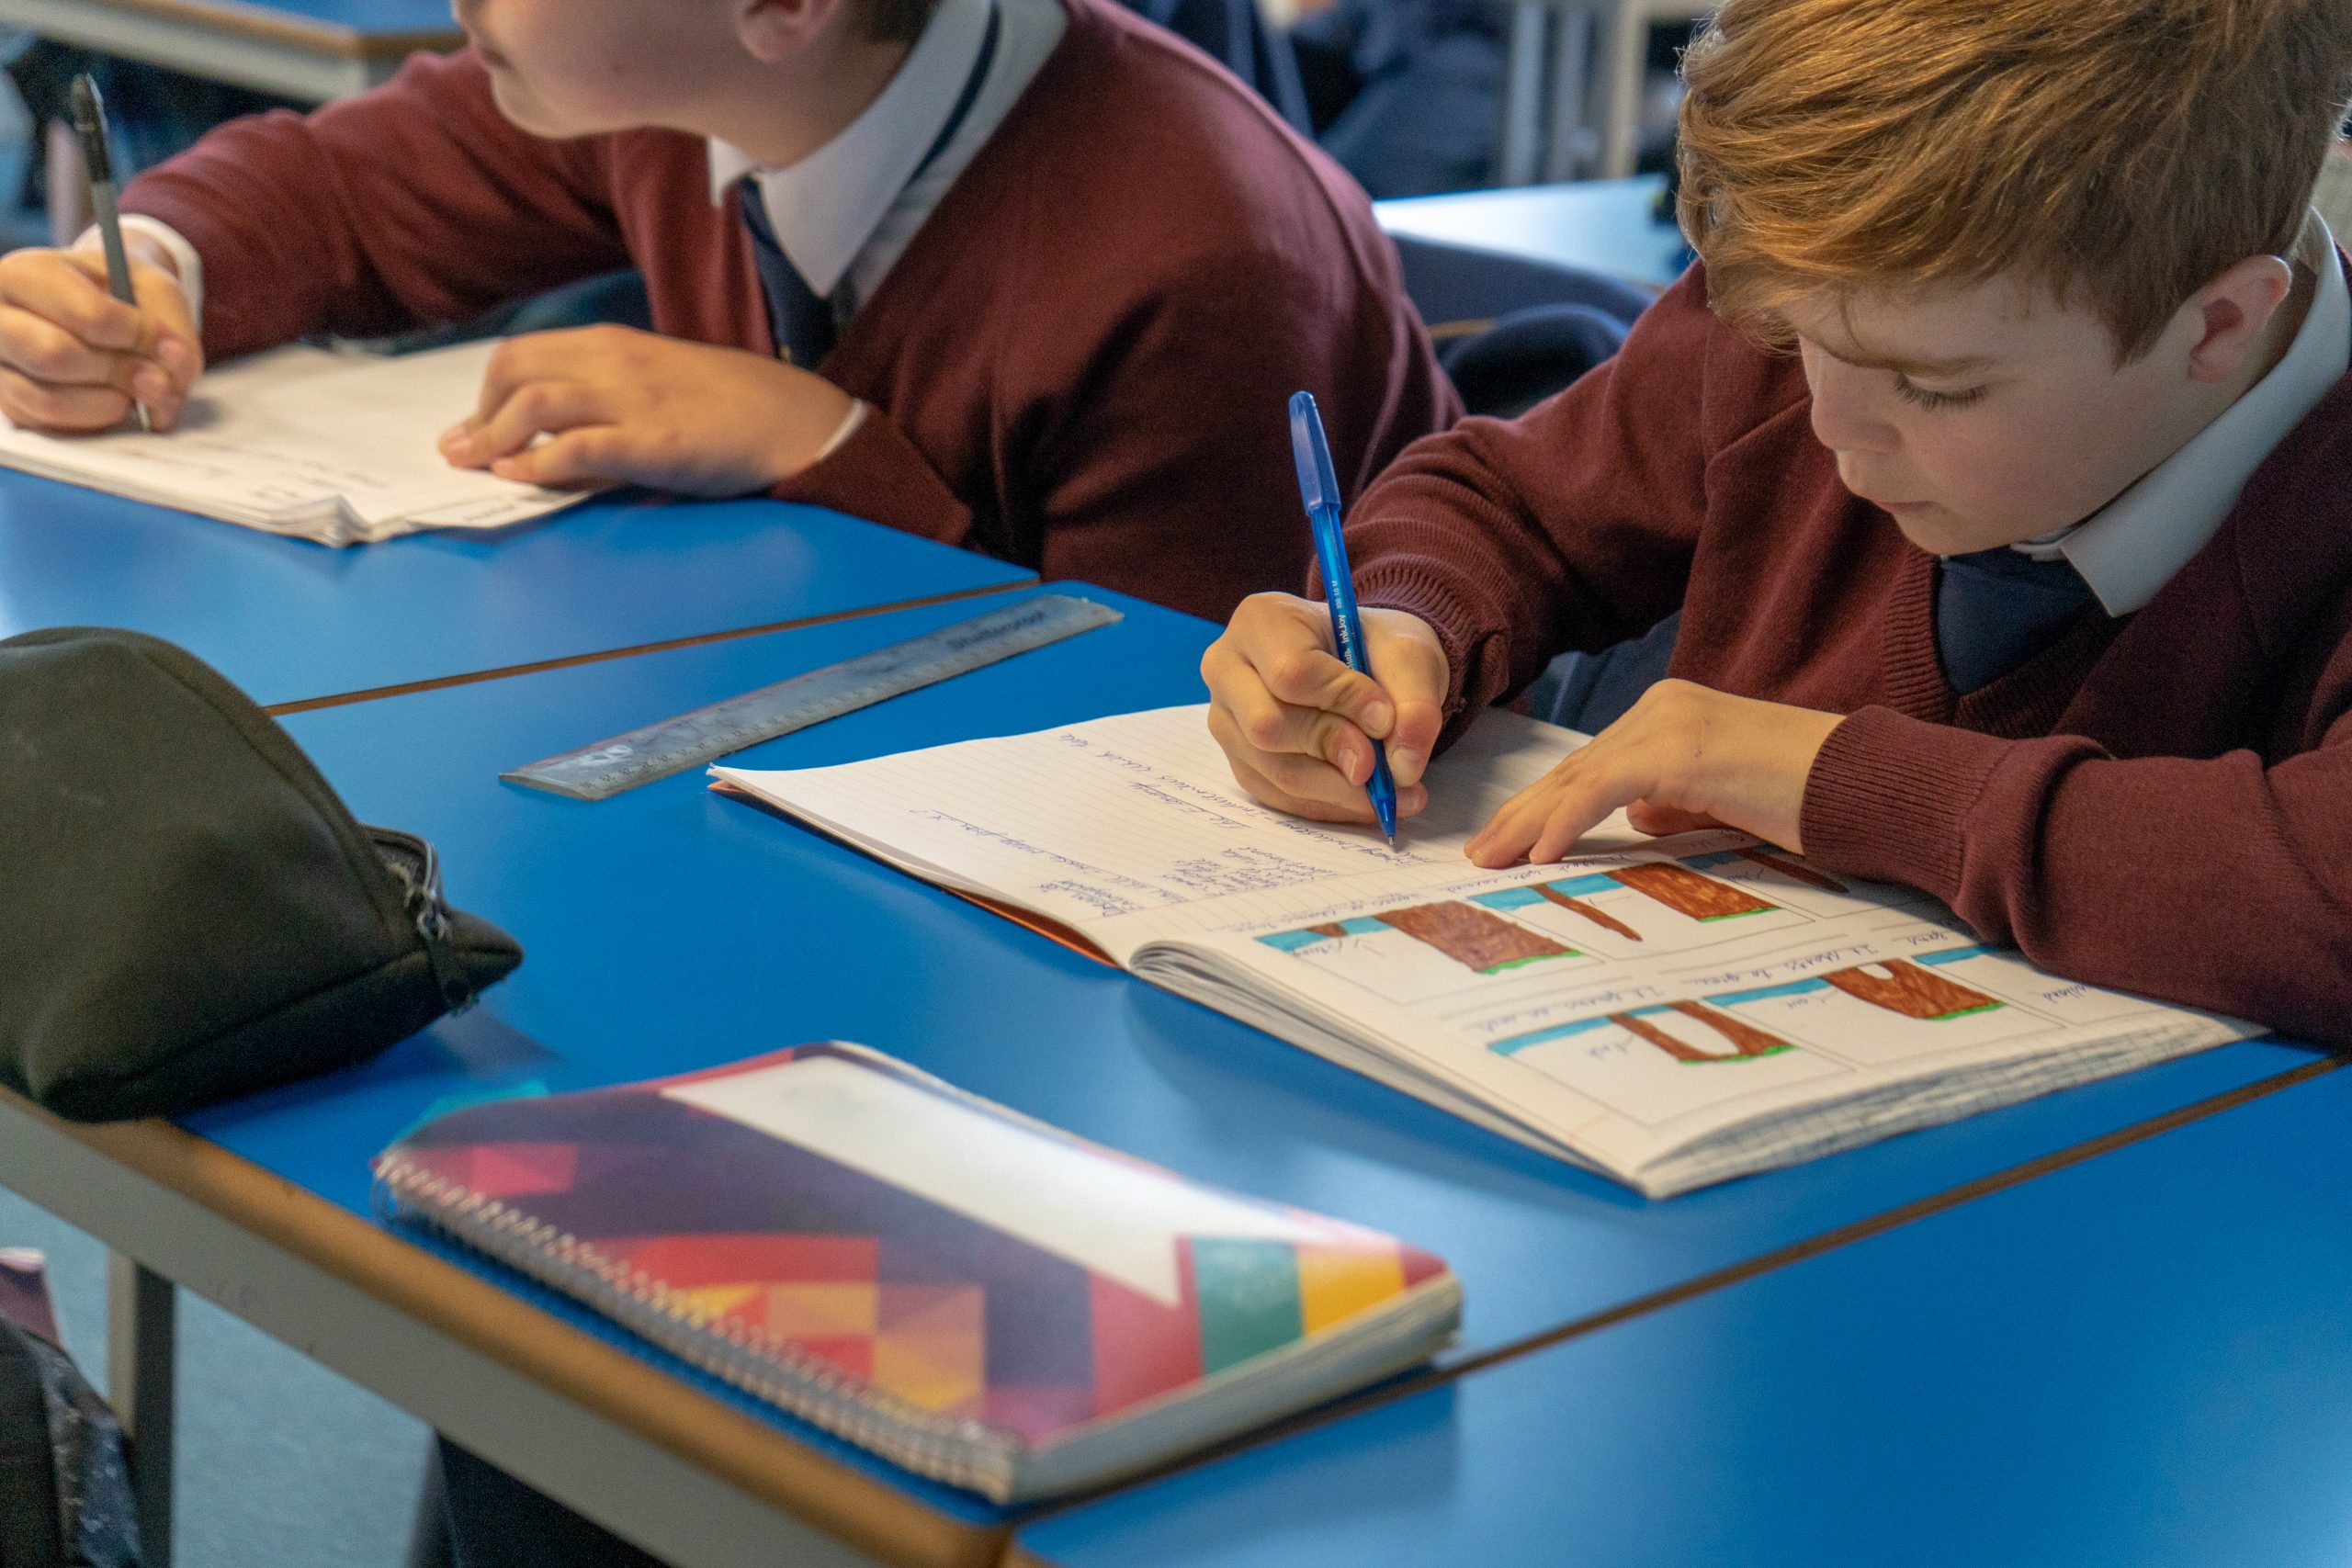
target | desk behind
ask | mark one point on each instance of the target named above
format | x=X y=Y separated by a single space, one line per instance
x=303 y=49
x=293 y=622
x=1603 y=226
x=2142 y=1359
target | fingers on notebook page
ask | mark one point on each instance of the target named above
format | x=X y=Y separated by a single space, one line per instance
x=1685 y=755
x=615 y=405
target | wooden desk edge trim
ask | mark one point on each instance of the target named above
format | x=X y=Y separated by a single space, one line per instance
x=276 y=27
x=756 y=1459
x=802 y=623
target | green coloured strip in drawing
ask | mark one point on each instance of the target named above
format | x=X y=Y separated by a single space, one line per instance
x=1531 y=958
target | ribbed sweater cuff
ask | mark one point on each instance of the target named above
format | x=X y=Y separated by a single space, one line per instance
x=1452 y=612
x=1889 y=797
x=874 y=472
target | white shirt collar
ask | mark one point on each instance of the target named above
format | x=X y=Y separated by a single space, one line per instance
x=825 y=207
x=2131 y=547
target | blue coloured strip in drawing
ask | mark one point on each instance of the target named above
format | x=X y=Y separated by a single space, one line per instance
x=1579 y=886
x=1509 y=899
x=1708 y=863
x=1765 y=993
x=1951 y=954
x=1517 y=1042
x=1291 y=941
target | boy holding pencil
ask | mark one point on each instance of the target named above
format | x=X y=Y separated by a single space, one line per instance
x=1025 y=275
x=1997 y=454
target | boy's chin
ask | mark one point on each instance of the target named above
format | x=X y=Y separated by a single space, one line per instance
x=1939 y=533
x=525 y=111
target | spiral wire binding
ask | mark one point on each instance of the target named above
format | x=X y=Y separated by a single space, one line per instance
x=956 y=1450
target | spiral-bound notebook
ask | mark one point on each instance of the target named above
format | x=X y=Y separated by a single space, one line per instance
x=974 y=1295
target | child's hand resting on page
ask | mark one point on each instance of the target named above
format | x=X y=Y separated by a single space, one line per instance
x=620 y=406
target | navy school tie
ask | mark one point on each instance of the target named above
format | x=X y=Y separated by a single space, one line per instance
x=1996 y=609
x=806 y=323
x=801 y=319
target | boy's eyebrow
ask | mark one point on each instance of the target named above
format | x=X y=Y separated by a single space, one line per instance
x=1902 y=366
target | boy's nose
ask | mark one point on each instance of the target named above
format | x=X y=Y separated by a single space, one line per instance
x=1845 y=412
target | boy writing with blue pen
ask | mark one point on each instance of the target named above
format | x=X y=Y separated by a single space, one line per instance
x=1017 y=274
x=1997 y=455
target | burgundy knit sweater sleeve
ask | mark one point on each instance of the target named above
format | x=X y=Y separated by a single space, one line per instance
x=1146 y=419
x=1175 y=440
x=2220 y=882
x=879 y=474
x=1570 y=527
x=415 y=203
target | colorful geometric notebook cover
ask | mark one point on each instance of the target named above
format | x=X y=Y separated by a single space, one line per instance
x=920 y=1270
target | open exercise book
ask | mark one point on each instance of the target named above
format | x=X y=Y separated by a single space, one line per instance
x=338 y=448
x=1669 y=1012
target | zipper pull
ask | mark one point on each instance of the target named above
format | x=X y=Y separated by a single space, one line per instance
x=421 y=889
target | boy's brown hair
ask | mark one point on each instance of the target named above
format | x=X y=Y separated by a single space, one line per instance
x=2125 y=153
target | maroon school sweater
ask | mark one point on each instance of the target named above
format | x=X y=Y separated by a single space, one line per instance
x=1080 y=364
x=2161 y=803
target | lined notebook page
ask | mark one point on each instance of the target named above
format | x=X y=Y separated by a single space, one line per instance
x=336 y=447
x=1131 y=829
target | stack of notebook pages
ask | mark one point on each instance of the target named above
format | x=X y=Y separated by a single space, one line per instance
x=977 y=1297
x=1669 y=1012
x=339 y=448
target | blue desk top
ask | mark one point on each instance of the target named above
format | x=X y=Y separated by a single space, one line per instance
x=2146 y=1358
x=290 y=621
x=1603 y=226
x=670 y=928
x=370 y=19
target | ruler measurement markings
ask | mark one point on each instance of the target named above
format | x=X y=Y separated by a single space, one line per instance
x=670 y=746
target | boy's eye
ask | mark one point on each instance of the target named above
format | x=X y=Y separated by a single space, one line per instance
x=1911 y=391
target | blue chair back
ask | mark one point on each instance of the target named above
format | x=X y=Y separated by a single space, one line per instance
x=1454 y=284
x=1234 y=34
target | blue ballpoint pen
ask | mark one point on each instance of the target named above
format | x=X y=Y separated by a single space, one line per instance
x=1319 y=486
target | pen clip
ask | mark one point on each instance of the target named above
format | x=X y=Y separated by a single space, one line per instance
x=90 y=125
x=1317 y=485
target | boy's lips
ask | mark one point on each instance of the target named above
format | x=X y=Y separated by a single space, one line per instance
x=1897 y=507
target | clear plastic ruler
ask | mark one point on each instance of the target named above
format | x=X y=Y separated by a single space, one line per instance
x=674 y=745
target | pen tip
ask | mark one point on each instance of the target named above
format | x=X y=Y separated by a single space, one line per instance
x=1392 y=841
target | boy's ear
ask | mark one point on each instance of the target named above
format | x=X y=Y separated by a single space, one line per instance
x=775 y=30
x=2231 y=315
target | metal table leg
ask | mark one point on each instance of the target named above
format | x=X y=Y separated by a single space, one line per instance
x=140 y=1352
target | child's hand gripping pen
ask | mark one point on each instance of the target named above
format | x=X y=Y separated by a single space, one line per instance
x=1319 y=486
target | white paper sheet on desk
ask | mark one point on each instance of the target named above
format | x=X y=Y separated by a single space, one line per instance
x=341 y=449
x=1131 y=829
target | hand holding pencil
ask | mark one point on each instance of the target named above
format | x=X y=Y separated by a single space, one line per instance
x=75 y=354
